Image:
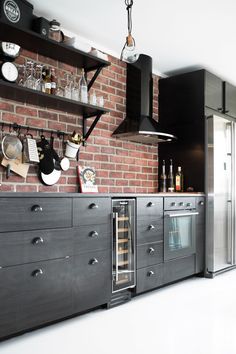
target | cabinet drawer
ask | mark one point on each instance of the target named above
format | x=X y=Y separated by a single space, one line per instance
x=88 y=211
x=35 y=213
x=149 y=254
x=92 y=237
x=175 y=203
x=150 y=231
x=92 y=279
x=149 y=278
x=149 y=207
x=34 y=294
x=179 y=268
x=32 y=246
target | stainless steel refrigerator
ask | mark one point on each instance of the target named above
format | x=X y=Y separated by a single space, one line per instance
x=220 y=188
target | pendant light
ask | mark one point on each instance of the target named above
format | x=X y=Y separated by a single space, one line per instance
x=129 y=53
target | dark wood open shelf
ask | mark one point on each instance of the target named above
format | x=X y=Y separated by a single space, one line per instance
x=22 y=94
x=34 y=42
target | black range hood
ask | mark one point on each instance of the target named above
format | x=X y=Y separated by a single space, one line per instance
x=139 y=126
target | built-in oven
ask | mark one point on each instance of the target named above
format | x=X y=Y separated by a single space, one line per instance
x=179 y=227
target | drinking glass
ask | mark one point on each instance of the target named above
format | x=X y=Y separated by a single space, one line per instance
x=67 y=90
x=75 y=90
x=21 y=75
x=30 y=78
x=59 y=90
x=39 y=78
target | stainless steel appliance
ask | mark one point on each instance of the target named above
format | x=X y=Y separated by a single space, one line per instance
x=220 y=178
x=123 y=255
x=179 y=227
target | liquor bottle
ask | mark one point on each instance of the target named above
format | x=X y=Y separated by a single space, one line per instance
x=179 y=180
x=163 y=178
x=83 y=87
x=171 y=187
x=47 y=81
x=53 y=82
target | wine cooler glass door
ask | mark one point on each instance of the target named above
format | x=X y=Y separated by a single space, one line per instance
x=123 y=244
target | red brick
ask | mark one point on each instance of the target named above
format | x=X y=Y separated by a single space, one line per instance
x=26 y=188
x=13 y=118
x=4 y=106
x=116 y=174
x=57 y=126
x=36 y=122
x=47 y=189
x=26 y=111
x=48 y=115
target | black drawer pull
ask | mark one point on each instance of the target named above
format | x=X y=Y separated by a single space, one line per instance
x=181 y=204
x=37 y=272
x=93 y=206
x=201 y=203
x=93 y=234
x=151 y=250
x=36 y=208
x=189 y=204
x=37 y=240
x=173 y=204
x=151 y=204
x=93 y=261
x=151 y=227
x=150 y=273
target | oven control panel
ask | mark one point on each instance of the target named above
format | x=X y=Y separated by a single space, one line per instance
x=179 y=203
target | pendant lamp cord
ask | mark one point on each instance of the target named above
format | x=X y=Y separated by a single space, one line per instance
x=129 y=4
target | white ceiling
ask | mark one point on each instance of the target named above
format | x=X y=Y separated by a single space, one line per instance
x=178 y=35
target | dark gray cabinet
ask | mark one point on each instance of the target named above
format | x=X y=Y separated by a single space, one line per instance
x=213 y=92
x=55 y=259
x=200 y=235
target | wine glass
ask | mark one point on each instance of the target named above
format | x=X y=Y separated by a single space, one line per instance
x=30 y=78
x=75 y=90
x=67 y=89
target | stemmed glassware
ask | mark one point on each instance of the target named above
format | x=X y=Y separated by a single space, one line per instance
x=30 y=81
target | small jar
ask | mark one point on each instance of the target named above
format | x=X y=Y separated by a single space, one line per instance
x=55 y=32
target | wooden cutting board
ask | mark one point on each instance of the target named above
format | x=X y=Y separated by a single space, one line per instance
x=17 y=166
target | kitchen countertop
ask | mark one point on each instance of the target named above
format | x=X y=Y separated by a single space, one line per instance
x=90 y=195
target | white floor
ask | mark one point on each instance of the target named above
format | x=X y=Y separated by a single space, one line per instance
x=195 y=316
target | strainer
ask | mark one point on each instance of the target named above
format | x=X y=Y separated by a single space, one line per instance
x=11 y=147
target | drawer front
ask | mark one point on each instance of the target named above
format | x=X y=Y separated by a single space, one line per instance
x=92 y=237
x=149 y=278
x=45 y=296
x=92 y=279
x=179 y=268
x=176 y=203
x=35 y=213
x=33 y=294
x=149 y=207
x=150 y=231
x=149 y=254
x=32 y=246
x=87 y=211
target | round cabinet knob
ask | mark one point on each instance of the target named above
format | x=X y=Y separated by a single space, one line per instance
x=189 y=204
x=173 y=204
x=93 y=234
x=36 y=208
x=37 y=240
x=151 y=204
x=93 y=261
x=93 y=206
x=201 y=202
x=151 y=250
x=150 y=273
x=37 y=273
x=181 y=204
x=151 y=227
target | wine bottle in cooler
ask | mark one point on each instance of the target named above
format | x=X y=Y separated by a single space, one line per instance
x=171 y=186
x=163 y=178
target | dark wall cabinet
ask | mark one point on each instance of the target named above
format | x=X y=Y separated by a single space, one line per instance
x=184 y=102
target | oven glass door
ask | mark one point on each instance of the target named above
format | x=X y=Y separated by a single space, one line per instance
x=179 y=234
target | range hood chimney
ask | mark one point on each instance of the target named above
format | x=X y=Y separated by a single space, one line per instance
x=139 y=126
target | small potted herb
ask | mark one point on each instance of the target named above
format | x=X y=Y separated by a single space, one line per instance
x=73 y=144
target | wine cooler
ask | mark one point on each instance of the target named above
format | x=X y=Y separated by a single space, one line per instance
x=123 y=255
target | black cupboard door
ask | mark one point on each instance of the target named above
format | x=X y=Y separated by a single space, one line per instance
x=9 y=300
x=213 y=92
x=45 y=292
x=92 y=279
x=230 y=100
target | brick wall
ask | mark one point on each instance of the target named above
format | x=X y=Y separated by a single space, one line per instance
x=121 y=166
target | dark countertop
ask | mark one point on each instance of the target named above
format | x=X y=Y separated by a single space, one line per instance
x=91 y=195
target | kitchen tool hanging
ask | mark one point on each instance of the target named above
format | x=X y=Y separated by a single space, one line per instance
x=30 y=151
x=64 y=161
x=9 y=50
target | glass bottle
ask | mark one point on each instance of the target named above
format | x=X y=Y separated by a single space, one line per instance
x=47 y=81
x=163 y=178
x=53 y=82
x=171 y=187
x=83 y=87
x=179 y=180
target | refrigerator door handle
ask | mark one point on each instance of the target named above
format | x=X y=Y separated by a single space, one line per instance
x=229 y=233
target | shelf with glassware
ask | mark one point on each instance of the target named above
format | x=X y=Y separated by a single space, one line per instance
x=69 y=55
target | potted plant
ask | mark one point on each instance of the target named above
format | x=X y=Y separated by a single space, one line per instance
x=73 y=144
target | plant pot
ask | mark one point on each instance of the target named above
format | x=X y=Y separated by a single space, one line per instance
x=71 y=149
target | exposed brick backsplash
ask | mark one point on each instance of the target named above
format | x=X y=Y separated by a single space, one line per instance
x=122 y=166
